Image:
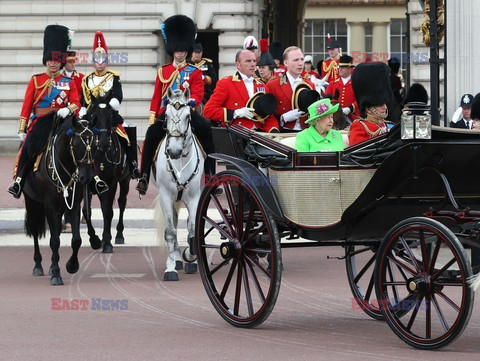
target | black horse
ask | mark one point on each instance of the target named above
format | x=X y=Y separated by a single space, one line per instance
x=57 y=184
x=111 y=166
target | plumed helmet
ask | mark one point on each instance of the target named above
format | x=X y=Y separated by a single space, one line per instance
x=416 y=93
x=308 y=59
x=332 y=43
x=179 y=34
x=250 y=43
x=475 y=114
x=371 y=85
x=56 y=43
x=100 y=49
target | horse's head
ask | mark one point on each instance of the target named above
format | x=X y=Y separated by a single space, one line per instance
x=101 y=115
x=82 y=147
x=177 y=119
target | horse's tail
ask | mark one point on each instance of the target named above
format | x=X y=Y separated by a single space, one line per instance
x=34 y=218
x=160 y=219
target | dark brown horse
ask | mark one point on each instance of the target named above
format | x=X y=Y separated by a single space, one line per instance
x=64 y=170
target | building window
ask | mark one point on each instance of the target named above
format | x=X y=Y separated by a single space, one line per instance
x=398 y=43
x=316 y=36
x=368 y=38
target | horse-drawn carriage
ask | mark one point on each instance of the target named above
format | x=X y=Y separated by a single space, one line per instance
x=403 y=210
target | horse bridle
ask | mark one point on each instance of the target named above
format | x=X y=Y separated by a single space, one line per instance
x=176 y=133
x=87 y=138
x=98 y=131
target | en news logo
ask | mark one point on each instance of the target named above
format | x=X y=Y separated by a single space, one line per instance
x=94 y=304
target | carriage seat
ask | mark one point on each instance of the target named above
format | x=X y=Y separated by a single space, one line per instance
x=290 y=141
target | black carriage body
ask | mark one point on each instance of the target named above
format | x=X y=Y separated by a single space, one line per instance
x=363 y=192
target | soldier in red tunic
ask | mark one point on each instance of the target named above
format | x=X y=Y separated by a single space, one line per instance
x=371 y=84
x=330 y=66
x=179 y=34
x=70 y=71
x=46 y=92
x=283 y=89
x=342 y=89
x=228 y=104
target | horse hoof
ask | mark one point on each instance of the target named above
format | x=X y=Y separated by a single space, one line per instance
x=119 y=240
x=107 y=248
x=95 y=242
x=72 y=266
x=37 y=272
x=178 y=265
x=50 y=272
x=170 y=276
x=56 y=281
x=190 y=268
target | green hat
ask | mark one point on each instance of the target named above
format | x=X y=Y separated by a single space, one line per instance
x=319 y=109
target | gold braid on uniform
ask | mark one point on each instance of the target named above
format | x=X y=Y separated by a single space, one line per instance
x=424 y=27
x=328 y=69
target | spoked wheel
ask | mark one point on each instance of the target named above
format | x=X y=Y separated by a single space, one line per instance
x=240 y=281
x=423 y=269
x=360 y=262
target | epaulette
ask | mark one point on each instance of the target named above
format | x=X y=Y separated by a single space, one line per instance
x=38 y=74
x=225 y=77
x=116 y=73
x=208 y=60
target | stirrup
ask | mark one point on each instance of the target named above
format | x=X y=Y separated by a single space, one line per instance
x=100 y=185
x=15 y=188
x=142 y=185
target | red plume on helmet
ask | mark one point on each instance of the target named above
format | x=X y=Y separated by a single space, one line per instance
x=263 y=45
x=100 y=49
x=99 y=42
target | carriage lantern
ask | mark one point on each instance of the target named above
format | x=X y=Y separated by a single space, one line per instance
x=416 y=121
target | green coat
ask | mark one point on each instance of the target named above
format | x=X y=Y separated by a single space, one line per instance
x=309 y=140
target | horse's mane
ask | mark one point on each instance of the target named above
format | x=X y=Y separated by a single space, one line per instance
x=41 y=133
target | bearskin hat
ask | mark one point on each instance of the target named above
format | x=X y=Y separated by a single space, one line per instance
x=276 y=50
x=416 y=93
x=56 y=42
x=475 y=114
x=394 y=64
x=371 y=85
x=179 y=34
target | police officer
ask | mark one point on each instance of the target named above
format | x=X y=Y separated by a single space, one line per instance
x=465 y=122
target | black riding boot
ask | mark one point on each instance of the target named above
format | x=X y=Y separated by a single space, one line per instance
x=154 y=134
x=132 y=152
x=16 y=187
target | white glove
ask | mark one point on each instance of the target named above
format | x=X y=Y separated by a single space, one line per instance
x=346 y=110
x=244 y=113
x=82 y=112
x=292 y=115
x=63 y=113
x=115 y=104
x=22 y=136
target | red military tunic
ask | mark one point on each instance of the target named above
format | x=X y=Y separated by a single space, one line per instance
x=308 y=74
x=282 y=69
x=231 y=94
x=77 y=78
x=282 y=90
x=346 y=96
x=330 y=67
x=362 y=130
x=169 y=76
x=46 y=93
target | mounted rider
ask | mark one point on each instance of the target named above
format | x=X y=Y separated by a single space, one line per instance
x=46 y=92
x=179 y=34
x=104 y=82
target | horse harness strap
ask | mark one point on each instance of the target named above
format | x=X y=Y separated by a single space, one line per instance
x=182 y=186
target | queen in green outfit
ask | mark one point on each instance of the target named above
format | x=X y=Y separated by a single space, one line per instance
x=320 y=137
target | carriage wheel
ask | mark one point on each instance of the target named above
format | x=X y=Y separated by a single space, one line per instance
x=360 y=262
x=241 y=272
x=422 y=269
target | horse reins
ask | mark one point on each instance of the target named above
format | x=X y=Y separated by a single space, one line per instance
x=170 y=166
